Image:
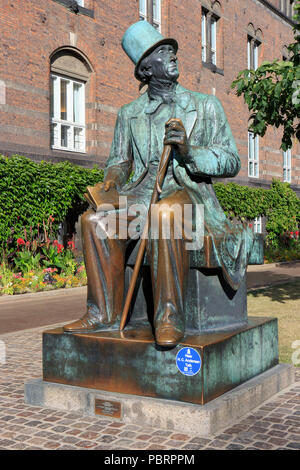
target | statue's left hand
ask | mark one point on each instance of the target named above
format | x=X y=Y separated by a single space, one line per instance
x=175 y=134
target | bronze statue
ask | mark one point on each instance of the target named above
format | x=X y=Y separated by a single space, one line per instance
x=196 y=128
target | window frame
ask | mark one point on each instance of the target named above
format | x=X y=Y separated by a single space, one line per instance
x=147 y=13
x=287 y=8
x=213 y=39
x=209 y=36
x=253 y=45
x=253 y=157
x=203 y=37
x=56 y=120
x=257 y=224
x=287 y=166
x=82 y=10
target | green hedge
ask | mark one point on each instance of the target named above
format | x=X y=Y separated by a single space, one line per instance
x=30 y=192
x=279 y=204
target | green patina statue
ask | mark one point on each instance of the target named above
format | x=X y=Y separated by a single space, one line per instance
x=202 y=147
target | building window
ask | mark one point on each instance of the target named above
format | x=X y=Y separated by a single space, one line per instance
x=287 y=7
x=67 y=101
x=257 y=225
x=70 y=73
x=286 y=54
x=252 y=53
x=209 y=36
x=150 y=10
x=253 y=155
x=287 y=166
x=77 y=6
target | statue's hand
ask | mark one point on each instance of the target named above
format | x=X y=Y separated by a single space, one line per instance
x=106 y=185
x=175 y=134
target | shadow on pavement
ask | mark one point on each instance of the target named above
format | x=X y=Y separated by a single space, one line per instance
x=280 y=292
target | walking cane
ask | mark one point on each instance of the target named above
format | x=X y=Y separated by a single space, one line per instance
x=163 y=164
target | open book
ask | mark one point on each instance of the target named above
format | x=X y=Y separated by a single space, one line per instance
x=102 y=200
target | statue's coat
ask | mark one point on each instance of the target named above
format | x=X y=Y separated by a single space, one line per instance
x=211 y=153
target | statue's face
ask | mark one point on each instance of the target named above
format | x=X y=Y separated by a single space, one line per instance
x=163 y=62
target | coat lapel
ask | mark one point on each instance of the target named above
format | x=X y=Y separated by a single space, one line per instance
x=185 y=109
x=140 y=129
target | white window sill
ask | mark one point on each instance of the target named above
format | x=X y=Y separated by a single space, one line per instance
x=65 y=149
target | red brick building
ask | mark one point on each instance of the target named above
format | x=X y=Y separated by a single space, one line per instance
x=63 y=73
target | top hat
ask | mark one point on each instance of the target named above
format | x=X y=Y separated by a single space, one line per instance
x=141 y=39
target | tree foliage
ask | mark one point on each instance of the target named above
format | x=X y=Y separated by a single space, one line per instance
x=272 y=92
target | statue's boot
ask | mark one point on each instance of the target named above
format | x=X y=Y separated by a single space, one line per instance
x=169 y=327
x=90 y=323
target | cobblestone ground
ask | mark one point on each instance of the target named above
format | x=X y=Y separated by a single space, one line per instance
x=274 y=425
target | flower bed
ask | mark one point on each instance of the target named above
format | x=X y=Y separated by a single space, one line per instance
x=38 y=280
x=41 y=263
x=288 y=249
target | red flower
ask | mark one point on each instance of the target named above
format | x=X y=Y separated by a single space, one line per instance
x=27 y=244
x=59 y=248
x=20 y=241
x=71 y=244
x=55 y=243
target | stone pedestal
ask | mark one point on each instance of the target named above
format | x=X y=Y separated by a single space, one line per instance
x=130 y=362
x=202 y=420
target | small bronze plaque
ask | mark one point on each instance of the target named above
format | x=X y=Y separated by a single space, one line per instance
x=108 y=408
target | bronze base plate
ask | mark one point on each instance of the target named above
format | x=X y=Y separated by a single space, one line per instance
x=130 y=362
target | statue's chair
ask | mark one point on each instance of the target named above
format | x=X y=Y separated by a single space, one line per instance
x=211 y=304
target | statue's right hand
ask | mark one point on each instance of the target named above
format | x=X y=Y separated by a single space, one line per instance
x=107 y=185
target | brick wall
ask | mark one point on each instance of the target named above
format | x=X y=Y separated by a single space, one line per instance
x=32 y=30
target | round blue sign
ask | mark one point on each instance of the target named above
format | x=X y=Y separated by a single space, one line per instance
x=188 y=361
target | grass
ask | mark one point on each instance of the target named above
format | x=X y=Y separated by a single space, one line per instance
x=281 y=301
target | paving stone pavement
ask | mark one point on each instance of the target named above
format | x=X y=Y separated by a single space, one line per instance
x=273 y=426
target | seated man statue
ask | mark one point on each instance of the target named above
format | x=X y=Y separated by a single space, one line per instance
x=195 y=126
